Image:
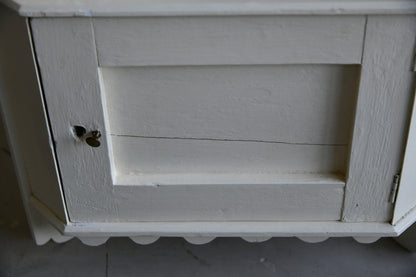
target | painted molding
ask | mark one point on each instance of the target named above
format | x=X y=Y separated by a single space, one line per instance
x=89 y=8
x=94 y=234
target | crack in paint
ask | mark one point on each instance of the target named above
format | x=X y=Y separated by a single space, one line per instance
x=230 y=140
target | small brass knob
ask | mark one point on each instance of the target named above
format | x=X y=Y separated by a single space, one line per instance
x=93 y=139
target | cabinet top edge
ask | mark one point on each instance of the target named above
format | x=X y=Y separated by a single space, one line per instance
x=108 y=8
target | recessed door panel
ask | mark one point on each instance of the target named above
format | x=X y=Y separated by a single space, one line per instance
x=245 y=123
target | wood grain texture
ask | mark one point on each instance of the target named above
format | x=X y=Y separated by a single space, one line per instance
x=382 y=117
x=141 y=156
x=212 y=197
x=192 y=7
x=230 y=118
x=67 y=61
x=406 y=197
x=66 y=54
x=258 y=229
x=25 y=118
x=299 y=104
x=230 y=179
x=301 y=201
x=149 y=231
x=229 y=40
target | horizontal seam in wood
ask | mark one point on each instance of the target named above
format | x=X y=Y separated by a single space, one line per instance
x=229 y=140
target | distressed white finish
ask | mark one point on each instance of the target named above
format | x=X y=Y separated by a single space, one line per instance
x=406 y=197
x=384 y=103
x=28 y=131
x=229 y=118
x=144 y=239
x=194 y=7
x=363 y=232
x=93 y=196
x=229 y=40
x=199 y=239
x=42 y=230
x=59 y=48
x=299 y=104
x=232 y=160
x=133 y=186
x=313 y=239
x=145 y=194
x=366 y=239
x=256 y=239
x=140 y=231
x=93 y=241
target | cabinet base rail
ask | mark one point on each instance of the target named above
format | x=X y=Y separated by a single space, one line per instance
x=48 y=227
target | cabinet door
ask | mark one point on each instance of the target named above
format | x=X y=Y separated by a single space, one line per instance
x=406 y=198
x=204 y=119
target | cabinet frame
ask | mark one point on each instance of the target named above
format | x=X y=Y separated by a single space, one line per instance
x=357 y=219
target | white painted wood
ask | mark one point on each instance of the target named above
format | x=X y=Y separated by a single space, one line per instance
x=27 y=129
x=406 y=221
x=256 y=239
x=108 y=201
x=382 y=117
x=90 y=192
x=229 y=40
x=46 y=217
x=171 y=161
x=193 y=7
x=311 y=180
x=406 y=197
x=199 y=239
x=143 y=232
x=43 y=231
x=313 y=239
x=216 y=196
x=69 y=71
x=233 y=229
x=93 y=241
x=144 y=240
x=217 y=201
x=366 y=239
x=299 y=104
x=264 y=204
x=228 y=118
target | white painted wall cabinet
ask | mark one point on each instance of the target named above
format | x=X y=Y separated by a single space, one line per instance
x=204 y=119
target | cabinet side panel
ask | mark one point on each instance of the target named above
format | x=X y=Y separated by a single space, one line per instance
x=406 y=198
x=382 y=117
x=25 y=117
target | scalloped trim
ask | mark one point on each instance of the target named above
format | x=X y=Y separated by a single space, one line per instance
x=145 y=240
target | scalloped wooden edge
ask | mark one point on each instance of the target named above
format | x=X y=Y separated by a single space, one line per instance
x=256 y=239
x=93 y=241
x=144 y=240
x=46 y=226
x=313 y=239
